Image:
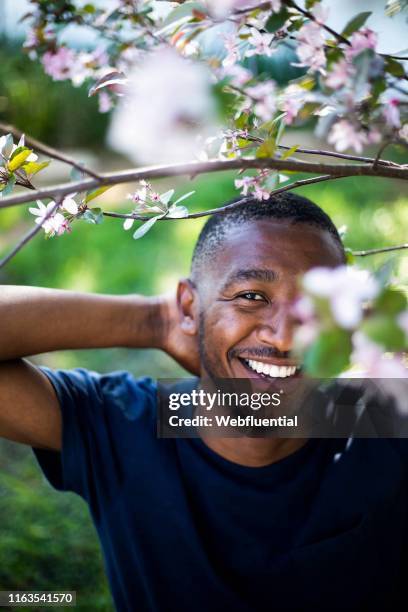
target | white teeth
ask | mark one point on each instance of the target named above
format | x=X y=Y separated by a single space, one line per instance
x=271 y=370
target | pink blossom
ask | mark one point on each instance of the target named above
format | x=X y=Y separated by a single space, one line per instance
x=261 y=44
x=230 y=43
x=168 y=112
x=403 y=133
x=374 y=136
x=69 y=204
x=305 y=335
x=104 y=102
x=31 y=40
x=264 y=96
x=238 y=75
x=54 y=224
x=260 y=194
x=310 y=49
x=346 y=289
x=252 y=183
x=361 y=40
x=375 y=364
x=340 y=74
x=245 y=183
x=303 y=309
x=344 y=135
x=59 y=65
x=391 y=113
x=292 y=100
x=141 y=194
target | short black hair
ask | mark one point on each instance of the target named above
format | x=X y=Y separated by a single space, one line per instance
x=286 y=206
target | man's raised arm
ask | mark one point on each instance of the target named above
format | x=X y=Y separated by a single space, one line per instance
x=35 y=320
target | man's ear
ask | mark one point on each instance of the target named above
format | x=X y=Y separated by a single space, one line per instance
x=188 y=307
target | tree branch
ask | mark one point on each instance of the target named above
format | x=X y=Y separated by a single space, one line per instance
x=228 y=207
x=399 y=247
x=29 y=236
x=47 y=150
x=195 y=168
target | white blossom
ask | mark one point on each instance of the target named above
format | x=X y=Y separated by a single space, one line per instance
x=346 y=288
x=168 y=111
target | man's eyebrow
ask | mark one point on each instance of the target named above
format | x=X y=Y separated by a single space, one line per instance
x=260 y=274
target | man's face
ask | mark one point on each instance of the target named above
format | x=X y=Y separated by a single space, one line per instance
x=246 y=297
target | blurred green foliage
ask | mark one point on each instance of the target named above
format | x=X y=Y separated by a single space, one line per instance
x=43 y=108
x=46 y=538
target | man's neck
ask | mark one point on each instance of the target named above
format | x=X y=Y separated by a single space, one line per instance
x=253 y=452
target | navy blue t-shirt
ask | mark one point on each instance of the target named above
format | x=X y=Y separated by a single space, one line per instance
x=184 y=530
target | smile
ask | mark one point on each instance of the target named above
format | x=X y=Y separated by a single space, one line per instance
x=269 y=369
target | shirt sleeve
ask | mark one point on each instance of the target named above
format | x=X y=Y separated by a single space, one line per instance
x=97 y=411
x=81 y=400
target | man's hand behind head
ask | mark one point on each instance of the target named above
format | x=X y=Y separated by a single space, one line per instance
x=180 y=340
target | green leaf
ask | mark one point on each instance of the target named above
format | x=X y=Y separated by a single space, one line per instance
x=242 y=121
x=18 y=158
x=97 y=192
x=143 y=229
x=385 y=271
x=289 y=152
x=329 y=354
x=89 y=8
x=334 y=55
x=98 y=215
x=394 y=67
x=177 y=212
x=390 y=301
x=277 y=20
x=267 y=148
x=223 y=99
x=356 y=23
x=310 y=3
x=166 y=197
x=350 y=258
x=183 y=197
x=281 y=129
x=34 y=167
x=182 y=11
x=92 y=215
x=9 y=186
x=385 y=331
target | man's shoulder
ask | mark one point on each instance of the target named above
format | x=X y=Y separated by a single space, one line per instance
x=85 y=386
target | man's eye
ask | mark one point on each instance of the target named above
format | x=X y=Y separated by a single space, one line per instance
x=252 y=295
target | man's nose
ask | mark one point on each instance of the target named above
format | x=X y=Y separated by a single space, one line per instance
x=277 y=328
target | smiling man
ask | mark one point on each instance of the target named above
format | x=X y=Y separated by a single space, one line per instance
x=209 y=523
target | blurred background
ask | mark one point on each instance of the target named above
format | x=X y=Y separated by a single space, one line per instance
x=46 y=539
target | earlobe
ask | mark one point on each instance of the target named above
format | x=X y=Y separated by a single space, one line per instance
x=187 y=303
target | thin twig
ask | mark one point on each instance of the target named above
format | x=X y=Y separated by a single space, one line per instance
x=228 y=207
x=214 y=165
x=29 y=236
x=47 y=150
x=310 y=15
x=369 y=160
x=380 y=152
x=398 y=247
x=396 y=57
